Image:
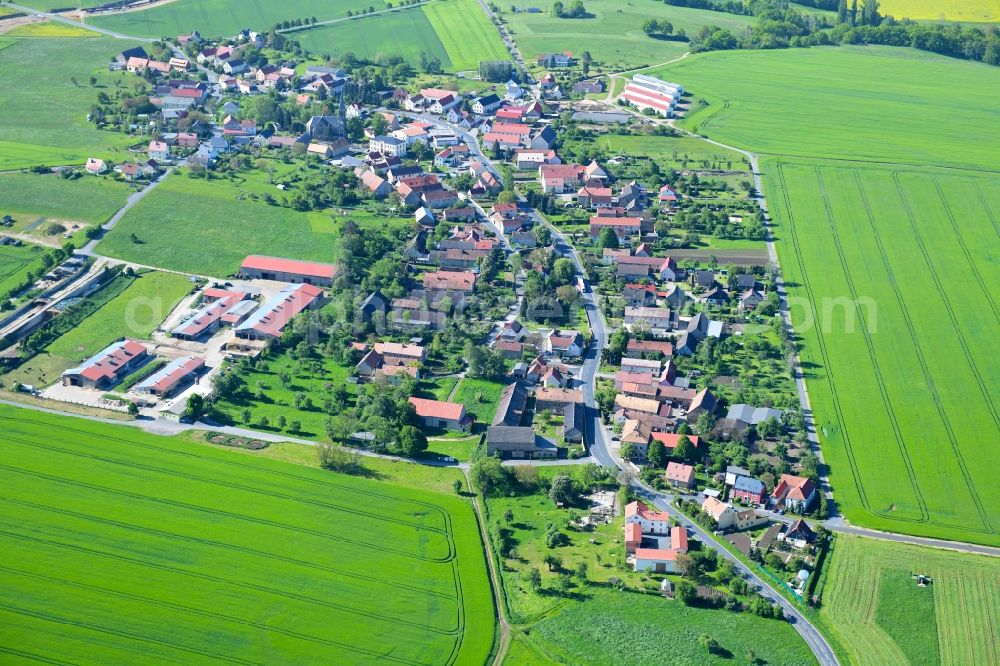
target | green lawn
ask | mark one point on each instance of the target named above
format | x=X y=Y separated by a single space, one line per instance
x=224 y=18
x=123 y=547
x=45 y=121
x=466 y=33
x=90 y=200
x=135 y=313
x=480 y=398
x=889 y=258
x=209 y=227
x=614 y=35
x=436 y=389
x=881 y=617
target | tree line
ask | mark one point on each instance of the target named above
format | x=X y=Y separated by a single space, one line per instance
x=778 y=25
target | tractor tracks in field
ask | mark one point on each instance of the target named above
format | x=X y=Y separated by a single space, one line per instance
x=866 y=333
x=236 y=584
x=824 y=352
x=915 y=343
x=191 y=610
x=226 y=484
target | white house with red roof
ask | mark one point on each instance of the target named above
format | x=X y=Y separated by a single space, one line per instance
x=288 y=270
x=565 y=343
x=96 y=166
x=441 y=414
x=794 y=492
x=107 y=367
x=171 y=377
x=158 y=150
x=561 y=178
x=650 y=540
x=651 y=522
x=269 y=321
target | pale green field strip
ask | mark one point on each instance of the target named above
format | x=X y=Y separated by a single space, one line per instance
x=223 y=18
x=966 y=604
x=614 y=36
x=878 y=104
x=465 y=32
x=118 y=542
x=930 y=410
x=372 y=36
x=45 y=121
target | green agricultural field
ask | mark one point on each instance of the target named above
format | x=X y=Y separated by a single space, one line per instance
x=45 y=122
x=877 y=104
x=370 y=36
x=627 y=629
x=224 y=18
x=466 y=32
x=89 y=200
x=889 y=257
x=881 y=616
x=614 y=36
x=124 y=547
x=898 y=290
x=209 y=227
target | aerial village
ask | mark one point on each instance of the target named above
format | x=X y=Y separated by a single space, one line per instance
x=530 y=268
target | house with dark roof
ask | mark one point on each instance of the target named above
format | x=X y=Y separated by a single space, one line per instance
x=510 y=407
x=375 y=302
x=574 y=422
x=749 y=489
x=518 y=442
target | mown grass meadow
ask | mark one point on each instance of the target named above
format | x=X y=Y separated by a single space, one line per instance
x=45 y=122
x=89 y=199
x=132 y=548
x=209 y=226
x=16 y=262
x=880 y=616
x=624 y=628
